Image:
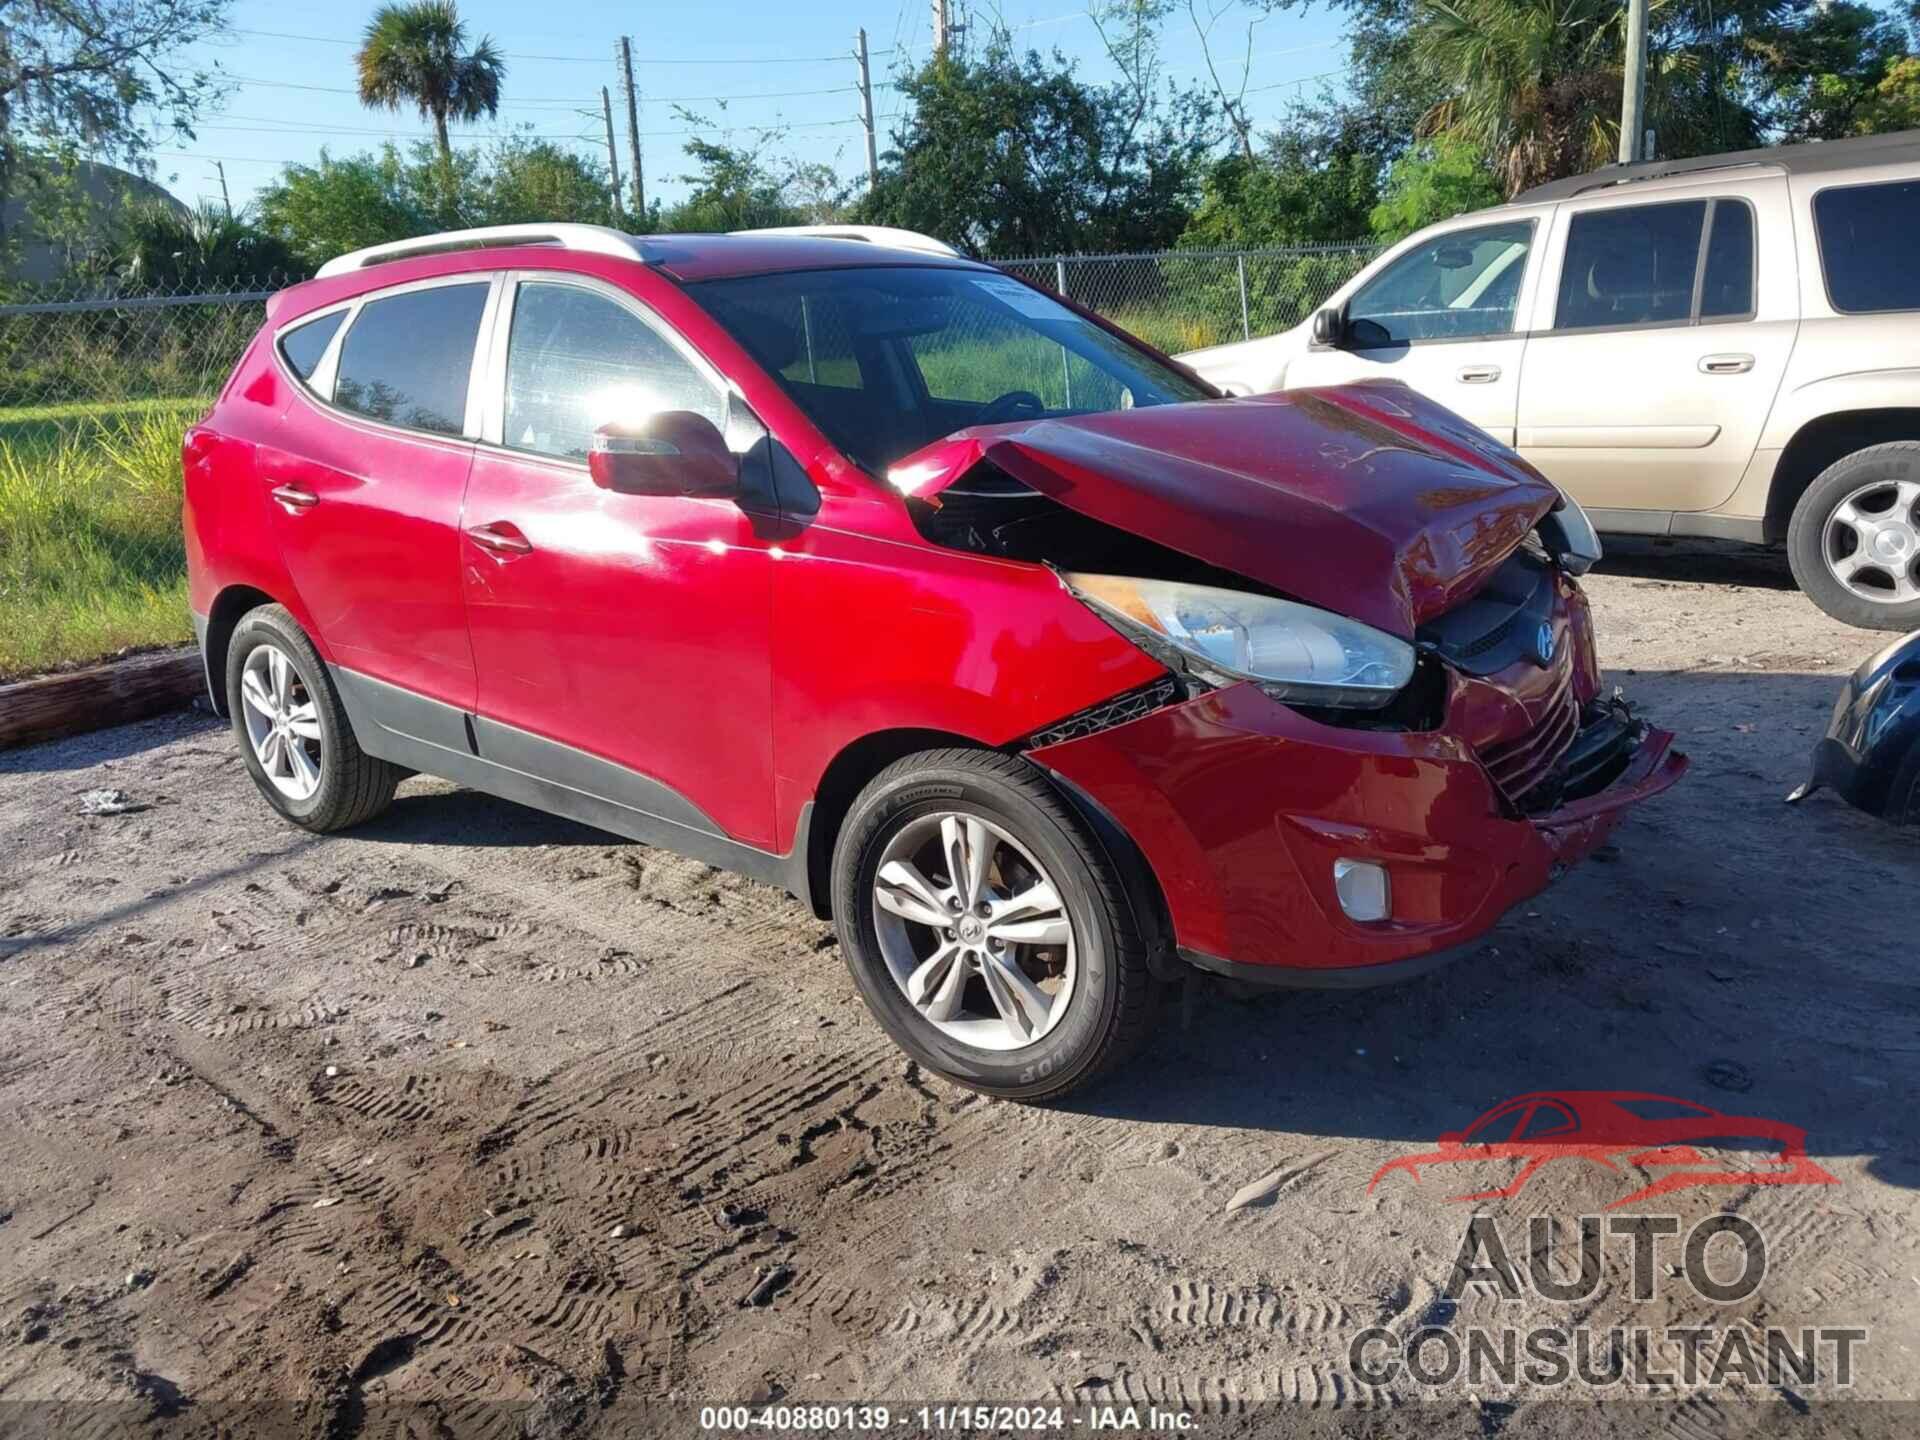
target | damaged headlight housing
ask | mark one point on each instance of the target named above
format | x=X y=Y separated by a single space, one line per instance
x=1293 y=652
x=1569 y=536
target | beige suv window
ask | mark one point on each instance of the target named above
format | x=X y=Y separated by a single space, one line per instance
x=1672 y=264
x=1458 y=286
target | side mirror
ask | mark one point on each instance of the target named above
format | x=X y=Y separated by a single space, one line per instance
x=1329 y=326
x=675 y=452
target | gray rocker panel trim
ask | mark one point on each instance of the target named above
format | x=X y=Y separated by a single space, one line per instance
x=404 y=728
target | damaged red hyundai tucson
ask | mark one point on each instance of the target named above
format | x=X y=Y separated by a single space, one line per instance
x=1046 y=672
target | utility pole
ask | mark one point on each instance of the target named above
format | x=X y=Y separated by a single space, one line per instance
x=939 y=29
x=866 y=115
x=633 y=131
x=1633 y=100
x=227 y=200
x=613 y=150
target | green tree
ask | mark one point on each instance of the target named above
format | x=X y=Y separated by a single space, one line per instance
x=523 y=181
x=160 y=248
x=1435 y=180
x=102 y=74
x=734 y=185
x=320 y=211
x=1315 y=182
x=1896 y=100
x=1004 y=155
x=415 y=54
x=1821 y=77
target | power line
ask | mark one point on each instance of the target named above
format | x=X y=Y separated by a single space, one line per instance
x=571 y=59
x=645 y=134
x=570 y=102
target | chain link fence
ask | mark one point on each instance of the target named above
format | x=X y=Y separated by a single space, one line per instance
x=96 y=389
x=1182 y=300
x=95 y=392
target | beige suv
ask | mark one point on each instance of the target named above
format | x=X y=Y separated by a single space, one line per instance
x=1726 y=347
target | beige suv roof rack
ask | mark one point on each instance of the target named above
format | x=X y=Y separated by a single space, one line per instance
x=595 y=239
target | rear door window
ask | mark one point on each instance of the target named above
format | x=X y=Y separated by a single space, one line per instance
x=1867 y=245
x=408 y=358
x=1631 y=266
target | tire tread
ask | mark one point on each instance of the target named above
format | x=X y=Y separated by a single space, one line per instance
x=1137 y=991
x=361 y=785
x=1806 y=539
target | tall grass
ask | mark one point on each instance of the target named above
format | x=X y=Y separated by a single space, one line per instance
x=91 y=559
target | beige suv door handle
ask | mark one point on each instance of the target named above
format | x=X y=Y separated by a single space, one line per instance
x=1725 y=364
x=1477 y=374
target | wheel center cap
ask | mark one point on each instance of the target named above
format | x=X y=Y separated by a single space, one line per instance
x=1892 y=542
x=971 y=929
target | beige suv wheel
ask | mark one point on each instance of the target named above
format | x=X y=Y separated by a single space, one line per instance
x=1855 y=538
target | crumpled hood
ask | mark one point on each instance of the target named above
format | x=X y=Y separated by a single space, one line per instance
x=1368 y=499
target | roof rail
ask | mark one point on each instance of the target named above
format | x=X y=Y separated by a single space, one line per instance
x=1810 y=158
x=594 y=239
x=887 y=235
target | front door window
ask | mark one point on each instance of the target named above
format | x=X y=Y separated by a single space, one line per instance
x=1458 y=286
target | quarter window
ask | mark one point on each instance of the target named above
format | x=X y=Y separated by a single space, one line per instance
x=1726 y=287
x=408 y=357
x=304 y=345
x=1866 y=245
x=577 y=360
x=1458 y=286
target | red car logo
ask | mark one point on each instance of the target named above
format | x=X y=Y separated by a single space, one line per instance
x=1617 y=1128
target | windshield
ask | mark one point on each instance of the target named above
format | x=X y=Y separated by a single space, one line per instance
x=886 y=360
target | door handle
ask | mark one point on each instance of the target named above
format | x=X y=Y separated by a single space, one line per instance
x=500 y=539
x=1725 y=364
x=1477 y=374
x=294 y=498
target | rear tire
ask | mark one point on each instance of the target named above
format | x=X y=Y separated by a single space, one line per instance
x=1834 y=557
x=1020 y=997
x=293 y=730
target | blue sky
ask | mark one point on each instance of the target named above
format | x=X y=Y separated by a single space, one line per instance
x=777 y=63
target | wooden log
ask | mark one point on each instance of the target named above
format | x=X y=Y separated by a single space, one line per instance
x=51 y=706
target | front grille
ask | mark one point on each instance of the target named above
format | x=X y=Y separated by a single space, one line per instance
x=1520 y=767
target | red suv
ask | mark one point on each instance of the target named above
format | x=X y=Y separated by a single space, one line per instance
x=874 y=573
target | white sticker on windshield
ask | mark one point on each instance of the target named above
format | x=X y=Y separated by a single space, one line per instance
x=1030 y=303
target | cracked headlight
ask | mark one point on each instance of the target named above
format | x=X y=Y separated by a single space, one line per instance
x=1294 y=652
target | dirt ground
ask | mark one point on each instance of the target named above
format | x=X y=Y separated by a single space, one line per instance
x=478 y=1121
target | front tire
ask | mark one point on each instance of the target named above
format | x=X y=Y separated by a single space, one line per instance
x=986 y=928
x=1854 y=542
x=293 y=730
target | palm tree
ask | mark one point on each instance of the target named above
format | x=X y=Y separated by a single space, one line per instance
x=415 y=54
x=1536 y=84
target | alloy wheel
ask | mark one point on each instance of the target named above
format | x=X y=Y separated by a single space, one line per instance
x=974 y=931
x=1872 y=542
x=283 y=722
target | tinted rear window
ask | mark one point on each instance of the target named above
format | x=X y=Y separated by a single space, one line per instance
x=1631 y=266
x=303 y=345
x=1866 y=245
x=408 y=357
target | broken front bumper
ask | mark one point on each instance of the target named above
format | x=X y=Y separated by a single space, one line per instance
x=1241 y=806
